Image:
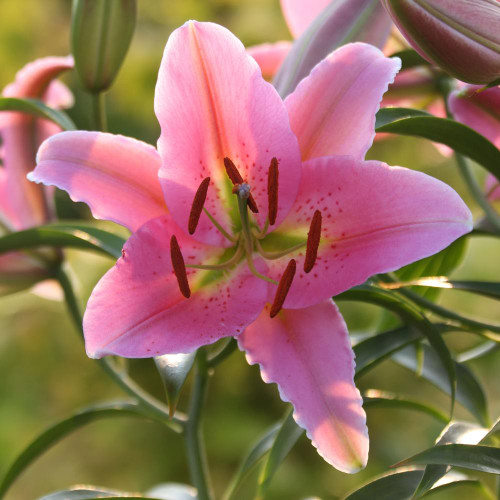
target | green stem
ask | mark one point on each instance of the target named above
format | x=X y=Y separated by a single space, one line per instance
x=196 y=455
x=224 y=353
x=148 y=403
x=99 y=111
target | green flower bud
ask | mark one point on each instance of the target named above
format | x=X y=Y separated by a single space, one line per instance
x=101 y=33
x=460 y=36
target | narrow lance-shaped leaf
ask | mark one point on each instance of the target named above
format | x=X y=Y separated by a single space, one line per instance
x=78 y=237
x=475 y=457
x=37 y=108
x=457 y=136
x=469 y=392
x=56 y=432
x=285 y=440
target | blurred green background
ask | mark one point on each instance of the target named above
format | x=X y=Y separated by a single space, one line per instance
x=44 y=373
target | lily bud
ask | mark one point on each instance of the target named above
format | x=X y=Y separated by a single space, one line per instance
x=341 y=22
x=460 y=36
x=101 y=32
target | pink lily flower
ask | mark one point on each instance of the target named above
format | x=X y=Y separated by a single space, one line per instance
x=323 y=220
x=22 y=203
x=480 y=111
x=299 y=15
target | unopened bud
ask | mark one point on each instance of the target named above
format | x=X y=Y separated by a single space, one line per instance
x=460 y=36
x=101 y=32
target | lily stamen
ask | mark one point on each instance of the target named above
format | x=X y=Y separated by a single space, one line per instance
x=283 y=288
x=272 y=190
x=237 y=179
x=313 y=237
x=197 y=206
x=179 y=267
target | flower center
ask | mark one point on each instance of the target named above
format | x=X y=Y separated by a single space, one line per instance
x=248 y=240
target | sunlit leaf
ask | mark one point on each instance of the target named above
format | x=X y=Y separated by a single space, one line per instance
x=37 y=108
x=285 y=440
x=469 y=392
x=66 y=236
x=173 y=491
x=475 y=457
x=89 y=493
x=457 y=136
x=374 y=398
x=453 y=433
x=173 y=370
x=478 y=351
x=56 y=432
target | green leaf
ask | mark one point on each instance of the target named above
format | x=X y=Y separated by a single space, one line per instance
x=254 y=457
x=409 y=59
x=478 y=351
x=440 y=264
x=469 y=392
x=53 y=434
x=468 y=456
x=67 y=236
x=386 y=116
x=373 y=398
x=412 y=316
x=457 y=136
x=486 y=288
x=474 y=483
x=454 y=432
x=285 y=440
x=173 y=491
x=37 y=108
x=173 y=370
x=373 y=350
x=89 y=493
x=399 y=485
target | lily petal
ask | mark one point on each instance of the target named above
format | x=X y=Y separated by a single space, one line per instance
x=478 y=110
x=344 y=123
x=492 y=188
x=299 y=14
x=212 y=102
x=137 y=309
x=115 y=175
x=269 y=56
x=19 y=143
x=308 y=354
x=375 y=219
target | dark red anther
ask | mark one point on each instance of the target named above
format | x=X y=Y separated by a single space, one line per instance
x=272 y=190
x=197 y=206
x=236 y=179
x=179 y=267
x=313 y=238
x=283 y=288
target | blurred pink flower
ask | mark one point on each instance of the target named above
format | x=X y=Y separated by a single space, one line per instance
x=480 y=110
x=22 y=203
x=339 y=217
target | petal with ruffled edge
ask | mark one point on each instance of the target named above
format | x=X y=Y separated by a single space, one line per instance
x=137 y=310
x=376 y=219
x=269 y=56
x=332 y=111
x=478 y=110
x=19 y=141
x=308 y=354
x=300 y=14
x=115 y=175
x=212 y=102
